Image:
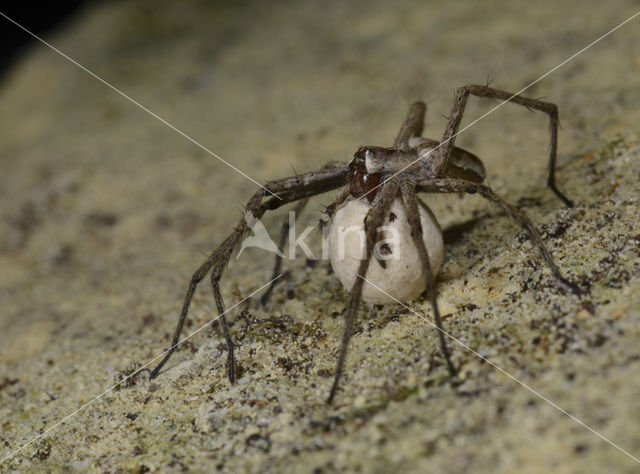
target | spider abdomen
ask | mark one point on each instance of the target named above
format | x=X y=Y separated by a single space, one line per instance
x=395 y=267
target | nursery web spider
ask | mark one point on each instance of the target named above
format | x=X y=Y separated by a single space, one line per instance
x=381 y=175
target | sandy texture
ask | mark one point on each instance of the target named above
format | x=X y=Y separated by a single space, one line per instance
x=105 y=212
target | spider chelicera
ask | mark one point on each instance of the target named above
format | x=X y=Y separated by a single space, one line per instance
x=382 y=175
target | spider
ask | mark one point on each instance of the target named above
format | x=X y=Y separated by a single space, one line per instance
x=382 y=175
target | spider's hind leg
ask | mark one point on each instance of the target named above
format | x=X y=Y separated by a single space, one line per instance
x=457 y=112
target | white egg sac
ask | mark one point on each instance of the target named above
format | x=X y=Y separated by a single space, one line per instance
x=403 y=278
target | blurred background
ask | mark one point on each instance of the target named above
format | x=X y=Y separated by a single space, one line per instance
x=40 y=16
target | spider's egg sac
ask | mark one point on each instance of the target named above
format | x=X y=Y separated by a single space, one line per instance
x=404 y=277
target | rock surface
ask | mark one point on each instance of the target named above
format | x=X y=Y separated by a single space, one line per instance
x=105 y=212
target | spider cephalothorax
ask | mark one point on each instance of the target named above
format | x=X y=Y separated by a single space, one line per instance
x=382 y=177
x=362 y=180
x=373 y=164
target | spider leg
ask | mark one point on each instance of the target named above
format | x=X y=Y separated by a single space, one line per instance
x=284 y=235
x=457 y=110
x=464 y=186
x=197 y=277
x=411 y=203
x=289 y=190
x=412 y=126
x=330 y=210
x=374 y=219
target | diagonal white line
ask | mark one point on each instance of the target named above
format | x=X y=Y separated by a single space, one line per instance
x=198 y=144
x=496 y=366
x=97 y=397
x=506 y=101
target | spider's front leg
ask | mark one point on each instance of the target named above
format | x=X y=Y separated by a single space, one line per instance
x=411 y=205
x=457 y=111
x=374 y=219
x=218 y=259
x=289 y=190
